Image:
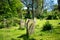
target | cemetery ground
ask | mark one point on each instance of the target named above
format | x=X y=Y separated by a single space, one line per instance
x=14 y=33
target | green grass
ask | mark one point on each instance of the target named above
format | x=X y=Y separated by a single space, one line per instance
x=8 y=34
x=13 y=33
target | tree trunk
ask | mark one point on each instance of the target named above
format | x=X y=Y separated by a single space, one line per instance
x=59 y=5
x=39 y=7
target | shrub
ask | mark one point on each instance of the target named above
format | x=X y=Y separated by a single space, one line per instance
x=49 y=17
x=47 y=26
x=1 y=26
x=38 y=16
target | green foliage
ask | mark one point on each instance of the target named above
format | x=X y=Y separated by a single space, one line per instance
x=28 y=15
x=39 y=16
x=49 y=17
x=1 y=26
x=8 y=8
x=47 y=26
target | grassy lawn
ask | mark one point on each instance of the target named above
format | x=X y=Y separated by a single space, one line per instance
x=13 y=33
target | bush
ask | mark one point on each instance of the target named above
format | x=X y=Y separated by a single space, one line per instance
x=1 y=26
x=47 y=26
x=49 y=17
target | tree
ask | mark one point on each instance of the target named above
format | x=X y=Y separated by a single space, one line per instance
x=39 y=8
x=8 y=8
x=59 y=5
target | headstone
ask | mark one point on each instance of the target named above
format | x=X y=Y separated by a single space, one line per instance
x=30 y=26
x=22 y=23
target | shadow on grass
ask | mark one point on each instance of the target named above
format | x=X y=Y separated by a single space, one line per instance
x=25 y=37
x=21 y=28
x=59 y=23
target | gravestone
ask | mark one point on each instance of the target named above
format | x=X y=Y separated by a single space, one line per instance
x=22 y=24
x=30 y=26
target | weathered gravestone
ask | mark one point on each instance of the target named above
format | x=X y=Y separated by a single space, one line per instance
x=30 y=26
x=22 y=24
